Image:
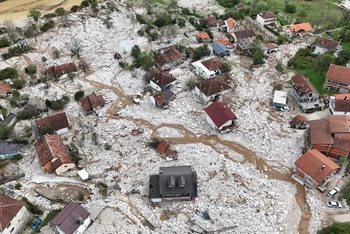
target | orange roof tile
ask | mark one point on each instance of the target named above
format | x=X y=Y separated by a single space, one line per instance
x=338 y=73
x=9 y=208
x=4 y=88
x=306 y=27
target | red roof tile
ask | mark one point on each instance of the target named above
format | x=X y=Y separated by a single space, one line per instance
x=57 y=121
x=5 y=88
x=303 y=86
x=202 y=36
x=231 y=23
x=326 y=43
x=219 y=113
x=210 y=20
x=312 y=163
x=212 y=64
x=212 y=86
x=303 y=27
x=9 y=208
x=162 y=79
x=162 y=146
x=338 y=73
x=61 y=69
x=92 y=101
x=267 y=15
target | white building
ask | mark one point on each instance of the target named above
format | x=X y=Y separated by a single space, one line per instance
x=218 y=115
x=265 y=18
x=211 y=89
x=208 y=68
x=339 y=104
x=279 y=99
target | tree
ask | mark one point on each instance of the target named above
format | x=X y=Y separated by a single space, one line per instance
x=8 y=73
x=225 y=67
x=5 y=132
x=35 y=14
x=302 y=15
x=146 y=60
x=56 y=53
x=30 y=69
x=335 y=228
x=281 y=39
x=291 y=8
x=74 y=8
x=18 y=83
x=201 y=52
x=60 y=11
x=135 y=51
x=210 y=33
x=343 y=56
x=76 y=47
x=322 y=62
x=46 y=129
x=84 y=66
x=279 y=66
x=258 y=56
x=78 y=95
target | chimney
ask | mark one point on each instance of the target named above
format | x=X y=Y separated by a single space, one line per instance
x=323 y=167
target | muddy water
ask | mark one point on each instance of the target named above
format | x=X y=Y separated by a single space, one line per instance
x=18 y=10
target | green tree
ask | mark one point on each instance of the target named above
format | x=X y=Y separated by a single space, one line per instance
x=291 y=8
x=279 y=66
x=60 y=11
x=335 y=228
x=135 y=51
x=258 y=56
x=46 y=129
x=343 y=56
x=225 y=67
x=74 y=8
x=30 y=70
x=18 y=83
x=5 y=132
x=78 y=95
x=146 y=60
x=322 y=62
x=201 y=52
x=302 y=15
x=210 y=33
x=8 y=73
x=35 y=14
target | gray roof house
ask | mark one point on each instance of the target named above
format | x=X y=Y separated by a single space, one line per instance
x=220 y=50
x=173 y=183
x=10 y=120
x=73 y=218
x=7 y=150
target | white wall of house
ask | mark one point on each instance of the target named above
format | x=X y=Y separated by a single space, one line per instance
x=61 y=131
x=331 y=108
x=212 y=124
x=205 y=99
x=154 y=86
x=320 y=50
x=83 y=226
x=18 y=222
x=202 y=70
x=260 y=19
x=64 y=167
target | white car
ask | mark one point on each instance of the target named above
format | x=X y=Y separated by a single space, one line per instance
x=334 y=204
x=333 y=192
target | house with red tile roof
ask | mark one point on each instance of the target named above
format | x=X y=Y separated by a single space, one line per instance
x=91 y=102
x=168 y=58
x=160 y=80
x=208 y=68
x=57 y=71
x=298 y=29
x=299 y=122
x=209 y=21
x=58 y=121
x=337 y=79
x=72 y=219
x=304 y=93
x=314 y=168
x=228 y=25
x=323 y=45
x=266 y=18
x=202 y=37
x=162 y=99
x=13 y=215
x=211 y=89
x=5 y=90
x=53 y=155
x=224 y=41
x=219 y=116
x=330 y=136
x=339 y=104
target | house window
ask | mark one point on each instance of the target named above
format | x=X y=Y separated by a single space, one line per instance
x=12 y=230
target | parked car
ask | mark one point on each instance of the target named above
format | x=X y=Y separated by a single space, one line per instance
x=286 y=108
x=334 y=204
x=333 y=192
x=36 y=224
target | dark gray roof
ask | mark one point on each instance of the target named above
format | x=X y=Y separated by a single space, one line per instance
x=219 y=48
x=8 y=119
x=177 y=175
x=167 y=94
x=70 y=218
x=8 y=148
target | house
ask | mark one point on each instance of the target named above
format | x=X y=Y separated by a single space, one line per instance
x=337 y=79
x=53 y=155
x=339 y=104
x=218 y=115
x=228 y=25
x=5 y=90
x=323 y=45
x=346 y=4
x=92 y=101
x=10 y=120
x=298 y=29
x=239 y=6
x=164 y=148
x=162 y=99
x=299 y=122
x=58 y=121
x=314 y=168
x=220 y=50
x=168 y=58
x=202 y=37
x=224 y=41
x=330 y=136
x=57 y=71
x=304 y=93
x=270 y=47
x=266 y=18
x=160 y=80
x=72 y=219
x=8 y=150
x=173 y=183
x=242 y=34
x=207 y=68
x=279 y=99
x=13 y=215
x=209 y=21
x=211 y=89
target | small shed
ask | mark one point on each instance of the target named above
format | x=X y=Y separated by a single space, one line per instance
x=279 y=99
x=83 y=174
x=299 y=122
x=220 y=50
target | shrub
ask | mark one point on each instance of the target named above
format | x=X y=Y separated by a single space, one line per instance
x=181 y=23
x=75 y=156
x=4 y=43
x=74 y=8
x=58 y=104
x=186 y=11
x=107 y=146
x=141 y=32
x=28 y=113
x=125 y=65
x=13 y=51
x=140 y=19
x=225 y=67
x=258 y=56
x=31 y=69
x=94 y=138
x=281 y=39
x=31 y=207
x=47 y=26
x=201 y=52
x=46 y=129
x=291 y=8
x=191 y=83
x=279 y=66
x=49 y=15
x=18 y=186
x=103 y=188
x=18 y=83
x=335 y=228
x=8 y=73
x=78 y=95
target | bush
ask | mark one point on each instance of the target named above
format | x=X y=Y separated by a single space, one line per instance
x=13 y=51
x=107 y=146
x=201 y=52
x=74 y=8
x=78 y=95
x=181 y=23
x=8 y=73
x=291 y=8
x=140 y=19
x=191 y=83
x=18 y=186
x=75 y=156
x=103 y=188
x=47 y=26
x=279 y=66
x=49 y=15
x=31 y=207
x=125 y=65
x=186 y=11
x=141 y=32
x=258 y=56
x=227 y=4
x=335 y=228
x=58 y=104
x=18 y=83
x=225 y=67
x=31 y=69
x=29 y=112
x=4 y=43
x=281 y=39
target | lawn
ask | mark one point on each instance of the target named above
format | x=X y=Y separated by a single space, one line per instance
x=316 y=79
x=159 y=1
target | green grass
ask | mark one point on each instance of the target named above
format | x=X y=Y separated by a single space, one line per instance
x=160 y=1
x=316 y=79
x=345 y=45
